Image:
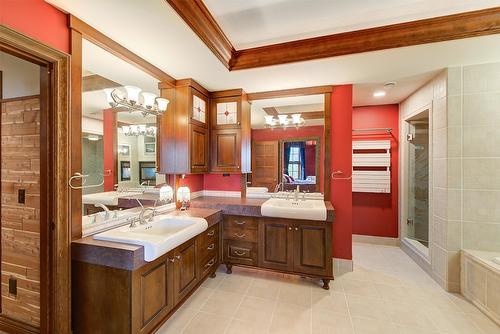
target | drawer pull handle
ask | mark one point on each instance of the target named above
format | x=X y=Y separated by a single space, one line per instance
x=178 y=257
x=212 y=246
x=240 y=223
x=171 y=259
x=241 y=236
x=210 y=263
x=239 y=253
x=211 y=233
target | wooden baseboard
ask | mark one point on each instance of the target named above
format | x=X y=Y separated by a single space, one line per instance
x=368 y=239
x=13 y=326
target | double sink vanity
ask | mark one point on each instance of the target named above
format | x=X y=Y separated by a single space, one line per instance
x=132 y=279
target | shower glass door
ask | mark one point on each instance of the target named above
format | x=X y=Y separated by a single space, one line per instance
x=417 y=227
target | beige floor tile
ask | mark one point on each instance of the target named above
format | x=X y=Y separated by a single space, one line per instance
x=370 y=326
x=290 y=310
x=198 y=298
x=222 y=303
x=245 y=327
x=360 y=288
x=418 y=330
x=410 y=315
x=325 y=322
x=264 y=288
x=207 y=323
x=178 y=321
x=485 y=324
x=296 y=294
x=256 y=310
x=289 y=324
x=453 y=323
x=213 y=283
x=331 y=301
x=371 y=308
x=237 y=284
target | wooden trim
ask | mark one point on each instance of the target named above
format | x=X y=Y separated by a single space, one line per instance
x=327 y=157
x=118 y=50
x=197 y=16
x=274 y=94
x=227 y=93
x=437 y=29
x=187 y=82
x=313 y=115
x=271 y=111
x=75 y=119
x=58 y=303
x=96 y=82
x=20 y=98
x=14 y=326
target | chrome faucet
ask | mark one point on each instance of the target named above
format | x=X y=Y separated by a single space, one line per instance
x=296 y=193
x=105 y=208
x=142 y=216
x=278 y=186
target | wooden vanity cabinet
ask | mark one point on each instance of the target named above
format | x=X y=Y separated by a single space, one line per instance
x=287 y=245
x=122 y=301
x=230 y=132
x=183 y=130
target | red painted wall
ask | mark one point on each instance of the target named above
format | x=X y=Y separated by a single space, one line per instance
x=310 y=167
x=220 y=182
x=193 y=181
x=37 y=19
x=109 y=140
x=290 y=133
x=377 y=214
x=341 y=159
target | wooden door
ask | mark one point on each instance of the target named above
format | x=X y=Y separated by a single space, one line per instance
x=199 y=149
x=226 y=150
x=185 y=270
x=276 y=245
x=156 y=291
x=310 y=242
x=265 y=164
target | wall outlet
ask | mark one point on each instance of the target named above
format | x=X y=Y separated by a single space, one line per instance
x=21 y=196
x=13 y=286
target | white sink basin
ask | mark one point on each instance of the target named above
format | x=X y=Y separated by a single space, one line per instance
x=162 y=235
x=286 y=208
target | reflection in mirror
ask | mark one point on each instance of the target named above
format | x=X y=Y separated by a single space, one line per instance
x=287 y=144
x=118 y=141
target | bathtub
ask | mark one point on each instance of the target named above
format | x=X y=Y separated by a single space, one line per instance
x=480 y=280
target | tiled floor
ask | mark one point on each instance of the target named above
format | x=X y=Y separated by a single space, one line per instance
x=387 y=293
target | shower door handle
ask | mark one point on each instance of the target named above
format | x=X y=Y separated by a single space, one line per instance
x=409 y=221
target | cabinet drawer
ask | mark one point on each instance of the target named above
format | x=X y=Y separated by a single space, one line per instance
x=208 y=250
x=240 y=252
x=241 y=234
x=242 y=222
x=208 y=265
x=211 y=235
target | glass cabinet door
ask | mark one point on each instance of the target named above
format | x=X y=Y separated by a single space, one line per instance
x=227 y=113
x=199 y=109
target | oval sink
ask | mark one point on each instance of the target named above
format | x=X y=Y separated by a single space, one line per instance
x=159 y=237
x=301 y=209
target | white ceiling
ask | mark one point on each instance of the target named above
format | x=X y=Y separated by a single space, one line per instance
x=154 y=31
x=252 y=23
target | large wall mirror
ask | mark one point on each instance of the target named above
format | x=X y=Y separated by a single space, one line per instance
x=118 y=146
x=288 y=144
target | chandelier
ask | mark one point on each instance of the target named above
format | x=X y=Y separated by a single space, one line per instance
x=150 y=104
x=139 y=130
x=284 y=121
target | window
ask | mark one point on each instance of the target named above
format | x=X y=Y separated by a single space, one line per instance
x=294 y=163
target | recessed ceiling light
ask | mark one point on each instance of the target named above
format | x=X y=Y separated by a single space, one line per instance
x=379 y=93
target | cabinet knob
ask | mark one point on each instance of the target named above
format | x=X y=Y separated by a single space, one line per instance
x=296 y=229
x=171 y=259
x=178 y=257
x=238 y=123
x=289 y=228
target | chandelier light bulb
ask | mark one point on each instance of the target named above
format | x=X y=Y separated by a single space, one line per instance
x=149 y=99
x=132 y=94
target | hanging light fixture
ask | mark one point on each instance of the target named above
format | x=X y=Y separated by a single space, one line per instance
x=150 y=105
x=139 y=130
x=284 y=121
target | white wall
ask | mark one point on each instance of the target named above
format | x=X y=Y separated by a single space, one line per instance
x=20 y=77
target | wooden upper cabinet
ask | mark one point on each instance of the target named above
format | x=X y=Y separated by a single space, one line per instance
x=231 y=132
x=183 y=130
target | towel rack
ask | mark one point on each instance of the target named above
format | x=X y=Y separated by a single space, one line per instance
x=387 y=130
x=83 y=177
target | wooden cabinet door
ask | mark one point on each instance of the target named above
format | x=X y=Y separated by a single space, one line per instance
x=311 y=255
x=199 y=149
x=185 y=270
x=276 y=245
x=265 y=164
x=156 y=294
x=226 y=150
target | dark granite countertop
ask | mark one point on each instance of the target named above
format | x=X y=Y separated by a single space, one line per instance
x=243 y=206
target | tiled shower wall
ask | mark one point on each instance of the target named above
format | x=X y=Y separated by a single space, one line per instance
x=20 y=257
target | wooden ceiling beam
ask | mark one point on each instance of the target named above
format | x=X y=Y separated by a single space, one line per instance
x=271 y=111
x=96 y=82
x=294 y=92
x=437 y=29
x=106 y=43
x=197 y=16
